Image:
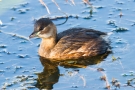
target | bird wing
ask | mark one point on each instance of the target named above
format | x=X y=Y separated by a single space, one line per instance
x=83 y=43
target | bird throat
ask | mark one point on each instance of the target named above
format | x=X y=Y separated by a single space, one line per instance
x=46 y=46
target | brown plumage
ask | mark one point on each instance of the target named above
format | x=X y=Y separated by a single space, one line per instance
x=73 y=43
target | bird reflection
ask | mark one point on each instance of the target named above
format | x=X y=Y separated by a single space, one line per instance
x=49 y=76
x=51 y=73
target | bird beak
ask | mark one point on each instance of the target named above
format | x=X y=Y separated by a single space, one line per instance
x=33 y=35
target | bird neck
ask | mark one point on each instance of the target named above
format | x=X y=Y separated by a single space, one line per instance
x=46 y=46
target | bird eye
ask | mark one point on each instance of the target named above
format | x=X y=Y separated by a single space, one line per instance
x=41 y=28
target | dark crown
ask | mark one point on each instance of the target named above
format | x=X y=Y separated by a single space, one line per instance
x=41 y=23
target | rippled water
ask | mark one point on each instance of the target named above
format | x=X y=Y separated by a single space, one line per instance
x=20 y=66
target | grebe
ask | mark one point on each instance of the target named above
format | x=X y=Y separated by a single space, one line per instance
x=75 y=43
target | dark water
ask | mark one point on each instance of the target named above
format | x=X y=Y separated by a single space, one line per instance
x=20 y=66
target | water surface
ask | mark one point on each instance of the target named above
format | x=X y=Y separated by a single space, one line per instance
x=20 y=66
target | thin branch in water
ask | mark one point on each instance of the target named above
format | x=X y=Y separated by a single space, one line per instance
x=41 y=1
x=93 y=69
x=121 y=64
x=72 y=2
x=1 y=22
x=84 y=81
x=104 y=77
x=56 y=4
x=120 y=14
x=87 y=2
x=17 y=35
